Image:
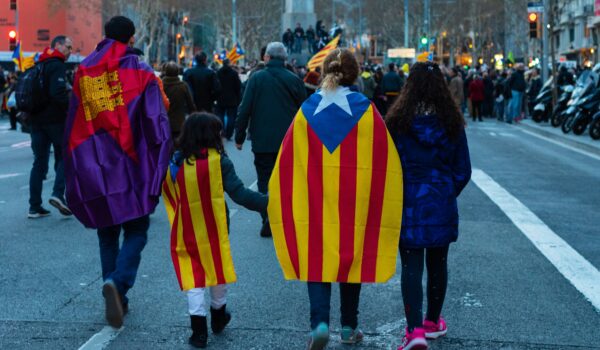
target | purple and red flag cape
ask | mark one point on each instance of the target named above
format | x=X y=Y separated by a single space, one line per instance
x=117 y=138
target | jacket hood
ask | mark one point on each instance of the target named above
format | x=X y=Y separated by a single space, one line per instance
x=427 y=130
x=51 y=53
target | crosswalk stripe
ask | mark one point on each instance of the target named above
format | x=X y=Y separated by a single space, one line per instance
x=574 y=267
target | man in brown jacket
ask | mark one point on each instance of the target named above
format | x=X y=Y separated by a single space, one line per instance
x=456 y=88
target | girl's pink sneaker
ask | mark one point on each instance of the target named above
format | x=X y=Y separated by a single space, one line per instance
x=435 y=330
x=414 y=340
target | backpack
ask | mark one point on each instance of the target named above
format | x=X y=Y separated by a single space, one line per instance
x=29 y=91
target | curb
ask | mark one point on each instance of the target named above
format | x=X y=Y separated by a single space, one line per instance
x=563 y=138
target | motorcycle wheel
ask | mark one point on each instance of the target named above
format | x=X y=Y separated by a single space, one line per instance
x=595 y=129
x=538 y=116
x=556 y=119
x=567 y=124
x=579 y=126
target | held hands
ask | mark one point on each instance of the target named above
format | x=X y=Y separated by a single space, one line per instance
x=238 y=146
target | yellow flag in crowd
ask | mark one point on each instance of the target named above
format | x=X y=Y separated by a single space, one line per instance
x=319 y=57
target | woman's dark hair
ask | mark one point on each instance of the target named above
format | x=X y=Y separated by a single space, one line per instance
x=340 y=67
x=200 y=131
x=425 y=90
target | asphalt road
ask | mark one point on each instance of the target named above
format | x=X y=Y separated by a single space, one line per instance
x=502 y=294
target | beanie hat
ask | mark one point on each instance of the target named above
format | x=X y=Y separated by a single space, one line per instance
x=119 y=28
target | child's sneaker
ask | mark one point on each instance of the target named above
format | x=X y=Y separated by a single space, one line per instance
x=435 y=330
x=351 y=336
x=414 y=340
x=319 y=337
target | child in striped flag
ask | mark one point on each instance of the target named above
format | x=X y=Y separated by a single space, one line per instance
x=199 y=174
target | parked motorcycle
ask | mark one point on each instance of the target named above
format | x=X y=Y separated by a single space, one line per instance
x=595 y=127
x=561 y=105
x=587 y=107
x=586 y=86
x=543 y=103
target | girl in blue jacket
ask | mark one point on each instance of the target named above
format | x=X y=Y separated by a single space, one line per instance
x=429 y=132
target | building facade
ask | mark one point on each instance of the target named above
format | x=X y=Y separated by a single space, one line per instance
x=41 y=20
x=574 y=35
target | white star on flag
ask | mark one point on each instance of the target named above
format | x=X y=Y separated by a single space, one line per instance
x=337 y=97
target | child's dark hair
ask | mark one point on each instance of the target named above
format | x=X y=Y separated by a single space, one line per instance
x=200 y=131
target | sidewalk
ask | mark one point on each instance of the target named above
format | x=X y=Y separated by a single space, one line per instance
x=584 y=142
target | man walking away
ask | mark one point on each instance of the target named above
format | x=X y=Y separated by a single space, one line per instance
x=48 y=126
x=517 y=86
x=310 y=39
x=391 y=85
x=270 y=102
x=456 y=88
x=117 y=154
x=229 y=99
x=298 y=38
x=204 y=84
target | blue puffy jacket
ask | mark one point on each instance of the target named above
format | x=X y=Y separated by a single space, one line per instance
x=436 y=170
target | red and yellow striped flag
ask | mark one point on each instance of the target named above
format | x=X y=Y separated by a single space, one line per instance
x=319 y=57
x=195 y=203
x=335 y=196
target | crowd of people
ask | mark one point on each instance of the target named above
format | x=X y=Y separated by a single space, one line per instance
x=131 y=137
x=316 y=38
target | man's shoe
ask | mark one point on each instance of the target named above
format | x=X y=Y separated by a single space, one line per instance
x=319 y=337
x=199 y=336
x=114 y=306
x=414 y=340
x=37 y=213
x=265 y=231
x=61 y=205
x=351 y=336
x=435 y=330
x=219 y=318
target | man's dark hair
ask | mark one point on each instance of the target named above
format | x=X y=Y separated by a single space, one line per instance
x=201 y=58
x=391 y=66
x=58 y=40
x=119 y=28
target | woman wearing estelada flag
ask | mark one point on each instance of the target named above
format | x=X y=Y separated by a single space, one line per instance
x=335 y=198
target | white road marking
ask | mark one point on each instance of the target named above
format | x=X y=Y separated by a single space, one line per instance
x=493 y=134
x=23 y=144
x=101 y=339
x=6 y=176
x=571 y=148
x=574 y=267
x=254 y=186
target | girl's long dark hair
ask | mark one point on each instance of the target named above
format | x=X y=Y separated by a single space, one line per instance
x=200 y=131
x=425 y=90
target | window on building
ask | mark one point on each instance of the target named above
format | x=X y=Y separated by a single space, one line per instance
x=572 y=34
x=13 y=4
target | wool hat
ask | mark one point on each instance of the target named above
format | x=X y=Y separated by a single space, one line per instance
x=119 y=28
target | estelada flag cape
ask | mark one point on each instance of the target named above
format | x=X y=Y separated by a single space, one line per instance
x=195 y=203
x=335 y=195
x=117 y=138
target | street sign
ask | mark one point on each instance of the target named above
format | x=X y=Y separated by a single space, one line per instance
x=401 y=53
x=535 y=6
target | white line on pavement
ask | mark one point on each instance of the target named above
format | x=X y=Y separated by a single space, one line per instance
x=101 y=339
x=254 y=186
x=492 y=133
x=591 y=155
x=23 y=144
x=574 y=267
x=6 y=176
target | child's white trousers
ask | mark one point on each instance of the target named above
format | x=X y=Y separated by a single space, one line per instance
x=196 y=304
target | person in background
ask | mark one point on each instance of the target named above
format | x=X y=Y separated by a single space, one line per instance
x=533 y=89
x=181 y=102
x=499 y=92
x=517 y=86
x=391 y=85
x=477 y=96
x=312 y=81
x=487 y=107
x=230 y=97
x=310 y=39
x=298 y=38
x=270 y=102
x=203 y=83
x=456 y=87
x=288 y=40
x=368 y=82
x=48 y=128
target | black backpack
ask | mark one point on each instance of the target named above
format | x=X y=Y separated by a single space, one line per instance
x=29 y=91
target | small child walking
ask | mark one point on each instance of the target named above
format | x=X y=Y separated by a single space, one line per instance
x=199 y=174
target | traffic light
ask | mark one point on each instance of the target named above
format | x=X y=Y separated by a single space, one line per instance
x=424 y=40
x=533 y=25
x=12 y=40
